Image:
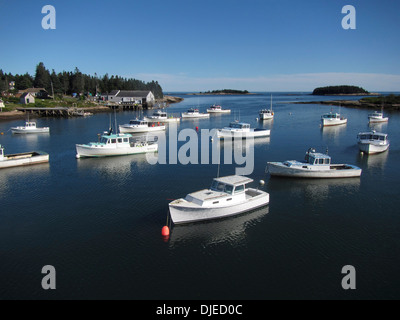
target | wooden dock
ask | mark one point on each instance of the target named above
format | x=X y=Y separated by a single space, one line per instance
x=61 y=112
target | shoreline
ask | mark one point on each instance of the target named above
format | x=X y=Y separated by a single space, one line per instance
x=17 y=115
x=357 y=104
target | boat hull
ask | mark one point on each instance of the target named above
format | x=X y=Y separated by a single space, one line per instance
x=197 y=116
x=378 y=120
x=24 y=159
x=266 y=117
x=86 y=151
x=146 y=129
x=257 y=133
x=181 y=214
x=333 y=122
x=28 y=131
x=371 y=148
x=163 y=120
x=335 y=171
x=218 y=111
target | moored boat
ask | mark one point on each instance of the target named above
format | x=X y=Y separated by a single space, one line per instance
x=242 y=130
x=140 y=126
x=161 y=116
x=316 y=165
x=22 y=159
x=266 y=114
x=30 y=127
x=373 y=142
x=115 y=145
x=333 y=119
x=217 y=109
x=228 y=196
x=194 y=114
x=377 y=117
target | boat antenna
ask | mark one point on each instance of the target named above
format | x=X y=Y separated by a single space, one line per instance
x=219 y=163
x=327 y=150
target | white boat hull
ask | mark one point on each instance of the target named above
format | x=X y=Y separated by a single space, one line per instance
x=195 y=116
x=218 y=111
x=333 y=122
x=256 y=133
x=378 y=120
x=372 y=148
x=26 y=131
x=334 y=171
x=85 y=151
x=264 y=116
x=181 y=214
x=144 y=129
x=24 y=159
x=163 y=120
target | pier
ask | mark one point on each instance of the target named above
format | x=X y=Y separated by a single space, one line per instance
x=62 y=112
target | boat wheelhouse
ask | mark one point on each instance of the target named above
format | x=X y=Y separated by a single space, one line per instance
x=316 y=165
x=373 y=142
x=227 y=196
x=115 y=145
x=140 y=126
x=242 y=130
x=266 y=114
x=333 y=119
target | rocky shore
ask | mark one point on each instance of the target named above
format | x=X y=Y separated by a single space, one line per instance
x=353 y=104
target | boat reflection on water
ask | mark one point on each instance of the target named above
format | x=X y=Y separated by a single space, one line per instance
x=373 y=161
x=118 y=166
x=332 y=132
x=380 y=127
x=314 y=190
x=232 y=229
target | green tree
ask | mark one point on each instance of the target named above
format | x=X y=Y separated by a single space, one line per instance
x=42 y=77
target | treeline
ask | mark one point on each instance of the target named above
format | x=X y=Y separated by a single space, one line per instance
x=67 y=83
x=227 y=91
x=339 y=90
x=383 y=100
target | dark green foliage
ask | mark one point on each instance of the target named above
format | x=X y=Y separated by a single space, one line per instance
x=383 y=100
x=339 y=90
x=228 y=91
x=76 y=82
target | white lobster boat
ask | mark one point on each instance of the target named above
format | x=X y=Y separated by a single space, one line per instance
x=115 y=145
x=217 y=109
x=140 y=126
x=242 y=130
x=228 y=196
x=22 y=159
x=267 y=114
x=194 y=114
x=161 y=116
x=30 y=127
x=377 y=117
x=333 y=119
x=316 y=165
x=373 y=142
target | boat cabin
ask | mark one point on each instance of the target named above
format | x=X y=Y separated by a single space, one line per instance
x=314 y=158
x=160 y=114
x=231 y=185
x=266 y=111
x=138 y=122
x=116 y=139
x=372 y=136
x=31 y=125
x=215 y=107
x=331 y=116
x=239 y=125
x=1 y=153
x=192 y=110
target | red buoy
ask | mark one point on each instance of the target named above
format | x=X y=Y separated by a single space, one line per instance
x=165 y=231
x=197 y=128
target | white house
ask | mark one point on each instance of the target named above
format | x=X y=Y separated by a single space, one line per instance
x=130 y=97
x=27 y=98
x=2 y=105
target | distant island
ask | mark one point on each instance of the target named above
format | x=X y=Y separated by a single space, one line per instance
x=222 y=92
x=341 y=91
x=391 y=102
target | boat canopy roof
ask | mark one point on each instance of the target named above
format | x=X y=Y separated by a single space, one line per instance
x=331 y=115
x=234 y=180
x=239 y=125
x=372 y=135
x=317 y=155
x=116 y=136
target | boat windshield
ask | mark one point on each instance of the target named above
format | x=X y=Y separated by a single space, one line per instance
x=236 y=125
x=136 y=122
x=103 y=140
x=239 y=189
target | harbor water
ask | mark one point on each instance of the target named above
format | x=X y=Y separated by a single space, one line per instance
x=98 y=221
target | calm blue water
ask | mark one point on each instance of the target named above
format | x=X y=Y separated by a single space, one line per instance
x=98 y=221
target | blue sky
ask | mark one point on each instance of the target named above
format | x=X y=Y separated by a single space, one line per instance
x=258 y=45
